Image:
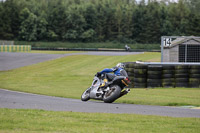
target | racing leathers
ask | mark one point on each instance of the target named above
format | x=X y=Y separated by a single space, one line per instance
x=116 y=70
x=106 y=71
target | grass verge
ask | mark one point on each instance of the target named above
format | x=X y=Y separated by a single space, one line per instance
x=51 y=52
x=54 y=52
x=163 y=97
x=23 y=121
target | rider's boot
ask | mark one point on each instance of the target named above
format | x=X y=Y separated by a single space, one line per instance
x=104 y=84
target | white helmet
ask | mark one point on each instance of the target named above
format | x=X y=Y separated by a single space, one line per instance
x=121 y=65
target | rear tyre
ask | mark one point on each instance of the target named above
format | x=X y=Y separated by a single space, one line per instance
x=86 y=95
x=111 y=95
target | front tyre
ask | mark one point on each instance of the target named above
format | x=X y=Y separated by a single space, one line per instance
x=86 y=95
x=112 y=94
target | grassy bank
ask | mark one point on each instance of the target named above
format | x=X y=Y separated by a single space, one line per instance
x=163 y=97
x=54 y=52
x=70 y=76
x=23 y=121
x=89 y=45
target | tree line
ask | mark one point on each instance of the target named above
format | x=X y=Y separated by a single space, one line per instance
x=98 y=20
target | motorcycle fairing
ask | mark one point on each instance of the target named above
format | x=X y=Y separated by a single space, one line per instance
x=95 y=92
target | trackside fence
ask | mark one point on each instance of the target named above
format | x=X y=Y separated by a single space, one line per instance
x=15 y=48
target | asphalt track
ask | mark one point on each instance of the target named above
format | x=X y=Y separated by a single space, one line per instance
x=20 y=100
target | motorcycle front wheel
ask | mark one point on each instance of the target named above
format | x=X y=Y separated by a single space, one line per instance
x=86 y=95
x=112 y=94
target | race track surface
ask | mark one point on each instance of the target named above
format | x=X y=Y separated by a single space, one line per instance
x=20 y=100
x=9 y=60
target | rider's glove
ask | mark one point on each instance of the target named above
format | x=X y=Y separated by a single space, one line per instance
x=98 y=74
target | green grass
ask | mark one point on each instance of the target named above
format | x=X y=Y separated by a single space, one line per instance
x=65 y=77
x=23 y=121
x=71 y=75
x=89 y=45
x=54 y=52
x=163 y=96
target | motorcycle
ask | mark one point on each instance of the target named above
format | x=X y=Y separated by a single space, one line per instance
x=114 y=89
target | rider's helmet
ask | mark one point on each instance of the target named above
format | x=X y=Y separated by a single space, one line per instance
x=121 y=65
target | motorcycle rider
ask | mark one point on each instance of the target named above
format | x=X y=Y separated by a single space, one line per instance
x=113 y=86
x=117 y=70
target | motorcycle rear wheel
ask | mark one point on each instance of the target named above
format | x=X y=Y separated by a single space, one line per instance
x=112 y=94
x=86 y=95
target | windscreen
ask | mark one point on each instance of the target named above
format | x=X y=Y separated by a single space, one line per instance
x=124 y=73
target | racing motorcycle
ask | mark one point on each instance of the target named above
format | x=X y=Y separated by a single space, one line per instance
x=113 y=90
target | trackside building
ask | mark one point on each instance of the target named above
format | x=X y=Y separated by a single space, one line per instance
x=182 y=50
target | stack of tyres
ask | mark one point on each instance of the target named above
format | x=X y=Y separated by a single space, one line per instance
x=181 y=75
x=154 y=76
x=140 y=76
x=168 y=73
x=194 y=76
x=129 y=67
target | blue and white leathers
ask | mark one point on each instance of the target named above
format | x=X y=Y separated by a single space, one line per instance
x=116 y=70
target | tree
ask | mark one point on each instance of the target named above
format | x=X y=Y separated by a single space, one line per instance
x=42 y=27
x=166 y=25
x=138 y=23
x=6 y=20
x=74 y=25
x=90 y=16
x=98 y=20
x=179 y=16
x=28 y=27
x=194 y=5
x=56 y=15
x=101 y=22
x=194 y=25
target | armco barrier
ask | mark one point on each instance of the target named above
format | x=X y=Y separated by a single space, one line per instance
x=15 y=48
x=150 y=75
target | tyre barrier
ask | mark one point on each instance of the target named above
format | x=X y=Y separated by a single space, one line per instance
x=140 y=76
x=181 y=76
x=168 y=80
x=163 y=75
x=154 y=76
x=194 y=77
